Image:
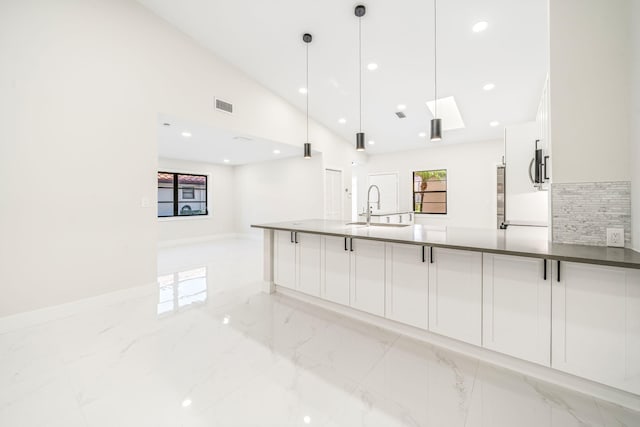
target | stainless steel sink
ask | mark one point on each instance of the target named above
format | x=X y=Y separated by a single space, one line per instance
x=378 y=224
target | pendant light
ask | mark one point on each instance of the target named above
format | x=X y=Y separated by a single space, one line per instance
x=436 y=123
x=306 y=38
x=359 y=12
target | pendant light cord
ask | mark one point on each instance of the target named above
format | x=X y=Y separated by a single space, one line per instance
x=435 y=58
x=360 y=65
x=307 y=92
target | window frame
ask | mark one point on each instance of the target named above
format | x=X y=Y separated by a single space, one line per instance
x=414 y=192
x=176 y=193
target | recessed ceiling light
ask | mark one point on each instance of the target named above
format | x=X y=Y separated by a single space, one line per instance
x=422 y=134
x=401 y=107
x=276 y=151
x=307 y=419
x=186 y=134
x=186 y=402
x=303 y=90
x=372 y=142
x=342 y=121
x=489 y=86
x=226 y=160
x=494 y=123
x=372 y=66
x=226 y=319
x=480 y=26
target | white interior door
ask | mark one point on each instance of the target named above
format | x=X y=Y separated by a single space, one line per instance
x=333 y=194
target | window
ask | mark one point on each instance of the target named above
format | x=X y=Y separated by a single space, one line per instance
x=181 y=194
x=430 y=191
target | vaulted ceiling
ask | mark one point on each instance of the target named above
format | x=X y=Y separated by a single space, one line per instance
x=264 y=39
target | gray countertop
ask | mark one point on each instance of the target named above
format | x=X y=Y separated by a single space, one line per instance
x=531 y=242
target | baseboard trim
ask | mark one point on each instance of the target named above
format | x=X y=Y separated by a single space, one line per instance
x=523 y=367
x=39 y=316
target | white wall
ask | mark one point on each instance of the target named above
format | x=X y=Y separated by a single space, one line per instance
x=280 y=190
x=81 y=87
x=220 y=197
x=471 y=180
x=290 y=189
x=590 y=79
x=635 y=126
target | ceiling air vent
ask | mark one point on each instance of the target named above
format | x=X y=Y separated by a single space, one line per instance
x=401 y=115
x=225 y=106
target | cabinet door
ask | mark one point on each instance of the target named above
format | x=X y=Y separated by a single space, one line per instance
x=367 y=276
x=309 y=263
x=336 y=270
x=517 y=307
x=407 y=285
x=284 y=259
x=455 y=294
x=596 y=324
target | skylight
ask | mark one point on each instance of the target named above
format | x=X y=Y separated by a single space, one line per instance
x=448 y=112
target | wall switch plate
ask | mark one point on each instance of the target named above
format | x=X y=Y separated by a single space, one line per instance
x=144 y=202
x=615 y=237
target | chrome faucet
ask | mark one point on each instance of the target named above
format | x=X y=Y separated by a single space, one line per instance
x=369 y=203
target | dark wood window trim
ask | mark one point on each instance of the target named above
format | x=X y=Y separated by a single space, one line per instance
x=414 y=192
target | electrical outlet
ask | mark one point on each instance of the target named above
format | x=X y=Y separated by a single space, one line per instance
x=615 y=237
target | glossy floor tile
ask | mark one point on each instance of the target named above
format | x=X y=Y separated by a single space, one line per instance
x=207 y=348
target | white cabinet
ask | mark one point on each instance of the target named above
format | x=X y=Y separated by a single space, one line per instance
x=336 y=269
x=308 y=263
x=407 y=284
x=517 y=307
x=455 y=294
x=297 y=261
x=284 y=266
x=596 y=323
x=406 y=218
x=367 y=275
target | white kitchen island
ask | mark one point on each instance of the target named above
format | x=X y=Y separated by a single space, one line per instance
x=507 y=297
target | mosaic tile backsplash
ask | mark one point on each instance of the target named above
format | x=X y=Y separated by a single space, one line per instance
x=582 y=212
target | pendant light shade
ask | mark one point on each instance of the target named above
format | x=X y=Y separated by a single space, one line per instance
x=436 y=123
x=436 y=129
x=360 y=11
x=360 y=141
x=306 y=38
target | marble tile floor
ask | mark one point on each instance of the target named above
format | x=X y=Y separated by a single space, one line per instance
x=207 y=348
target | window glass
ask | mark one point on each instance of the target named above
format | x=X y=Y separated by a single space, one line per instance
x=430 y=191
x=181 y=194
